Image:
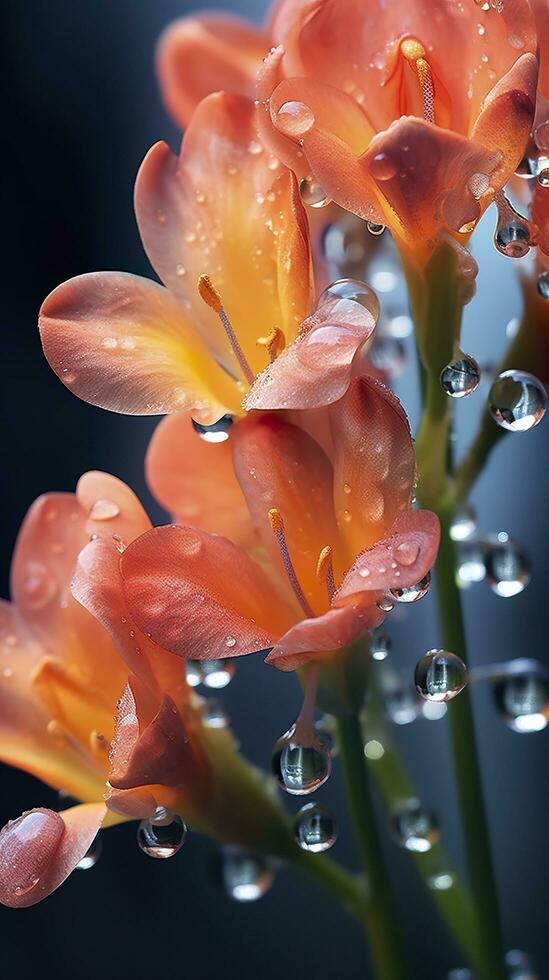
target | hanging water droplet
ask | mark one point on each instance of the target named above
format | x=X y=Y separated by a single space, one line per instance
x=401 y=704
x=507 y=568
x=217 y=432
x=415 y=828
x=543 y=178
x=161 y=837
x=523 y=701
x=104 y=510
x=517 y=401
x=380 y=646
x=512 y=236
x=464 y=523
x=214 y=714
x=543 y=285
x=461 y=377
x=353 y=290
x=315 y=828
x=471 y=565
x=301 y=768
x=440 y=675
x=313 y=193
x=218 y=673
x=519 y=966
x=246 y=876
x=91 y=856
x=374 y=228
x=194 y=672
x=412 y=593
x=385 y=603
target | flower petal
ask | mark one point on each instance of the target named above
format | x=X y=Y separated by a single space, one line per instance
x=505 y=121
x=111 y=507
x=198 y=595
x=398 y=561
x=124 y=343
x=39 y=850
x=207 y=53
x=316 y=639
x=316 y=369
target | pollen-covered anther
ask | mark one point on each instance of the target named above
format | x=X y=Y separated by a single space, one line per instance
x=274 y=342
x=211 y=297
x=325 y=570
x=415 y=54
x=277 y=527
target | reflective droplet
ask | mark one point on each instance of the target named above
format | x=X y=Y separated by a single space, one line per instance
x=246 y=877
x=461 y=377
x=385 y=603
x=214 y=714
x=523 y=701
x=218 y=673
x=380 y=645
x=217 y=432
x=517 y=401
x=382 y=167
x=513 y=233
x=401 y=704
x=483 y=4
x=464 y=523
x=471 y=565
x=313 y=193
x=301 y=768
x=374 y=750
x=374 y=228
x=353 y=290
x=412 y=593
x=543 y=285
x=295 y=119
x=161 y=840
x=507 y=568
x=104 y=510
x=543 y=178
x=415 y=828
x=441 y=881
x=440 y=675
x=194 y=672
x=91 y=856
x=315 y=828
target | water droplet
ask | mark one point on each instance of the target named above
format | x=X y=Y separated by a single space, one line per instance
x=295 y=119
x=406 y=553
x=519 y=966
x=440 y=675
x=217 y=674
x=401 y=704
x=255 y=148
x=194 y=672
x=161 y=840
x=374 y=750
x=507 y=568
x=543 y=178
x=464 y=523
x=415 y=828
x=217 y=431
x=214 y=714
x=441 y=881
x=301 y=768
x=412 y=593
x=471 y=566
x=119 y=543
x=104 y=510
x=230 y=641
x=512 y=236
x=385 y=603
x=543 y=285
x=382 y=167
x=461 y=377
x=353 y=290
x=374 y=228
x=315 y=828
x=180 y=270
x=483 y=4
x=246 y=877
x=380 y=646
x=517 y=401
x=523 y=701
x=39 y=586
x=92 y=855
x=313 y=193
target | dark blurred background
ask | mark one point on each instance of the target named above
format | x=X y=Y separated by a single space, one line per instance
x=80 y=111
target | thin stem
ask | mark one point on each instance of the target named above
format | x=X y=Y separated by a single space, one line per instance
x=382 y=923
x=348 y=890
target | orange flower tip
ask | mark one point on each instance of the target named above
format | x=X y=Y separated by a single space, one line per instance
x=274 y=341
x=209 y=293
x=275 y=520
x=323 y=563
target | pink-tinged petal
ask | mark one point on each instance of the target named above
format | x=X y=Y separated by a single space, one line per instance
x=137 y=804
x=283 y=147
x=207 y=53
x=328 y=109
x=111 y=507
x=505 y=121
x=316 y=639
x=124 y=343
x=374 y=462
x=39 y=850
x=194 y=481
x=316 y=369
x=279 y=466
x=200 y=596
x=398 y=561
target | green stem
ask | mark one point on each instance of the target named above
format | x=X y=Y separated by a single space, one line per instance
x=382 y=923
x=348 y=890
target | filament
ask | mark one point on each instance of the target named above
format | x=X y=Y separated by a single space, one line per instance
x=277 y=527
x=414 y=52
x=211 y=297
x=325 y=570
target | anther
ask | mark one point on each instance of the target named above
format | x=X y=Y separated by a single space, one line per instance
x=414 y=52
x=277 y=527
x=274 y=341
x=325 y=570
x=211 y=297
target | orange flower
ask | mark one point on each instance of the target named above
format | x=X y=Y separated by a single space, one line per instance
x=317 y=539
x=413 y=115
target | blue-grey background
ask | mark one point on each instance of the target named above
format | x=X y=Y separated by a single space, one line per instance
x=80 y=111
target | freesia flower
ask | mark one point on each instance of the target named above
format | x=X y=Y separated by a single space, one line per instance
x=413 y=115
x=301 y=546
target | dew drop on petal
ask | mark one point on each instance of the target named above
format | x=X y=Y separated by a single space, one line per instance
x=295 y=119
x=517 y=401
x=406 y=553
x=161 y=839
x=353 y=290
x=315 y=828
x=382 y=167
x=39 y=586
x=412 y=593
x=440 y=675
x=104 y=510
x=374 y=228
x=313 y=193
x=385 y=603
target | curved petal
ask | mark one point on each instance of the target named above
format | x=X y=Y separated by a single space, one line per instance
x=206 y=53
x=541 y=11
x=111 y=507
x=315 y=639
x=505 y=121
x=316 y=369
x=198 y=595
x=398 y=561
x=374 y=462
x=124 y=343
x=281 y=146
x=281 y=467
x=232 y=212
x=39 y=850
x=194 y=481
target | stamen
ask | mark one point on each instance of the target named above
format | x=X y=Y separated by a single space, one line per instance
x=277 y=527
x=325 y=570
x=211 y=297
x=274 y=341
x=414 y=52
